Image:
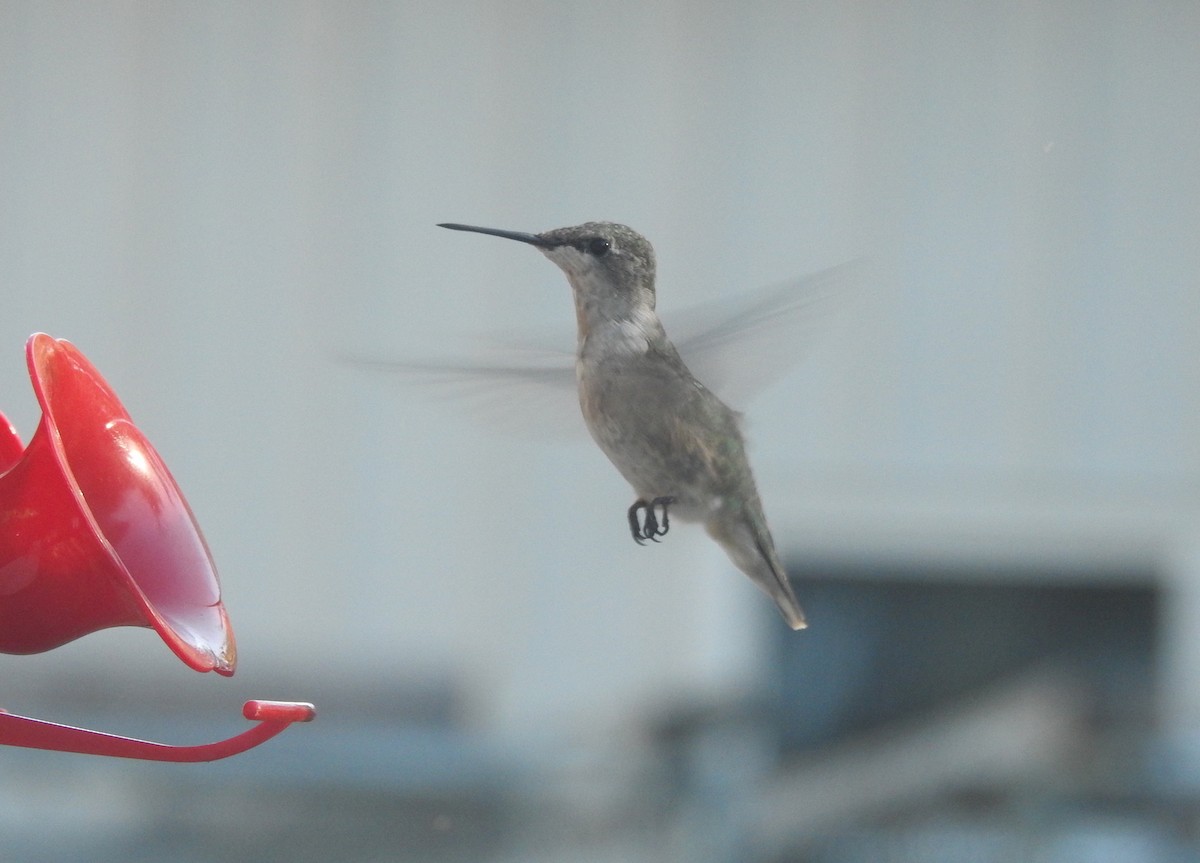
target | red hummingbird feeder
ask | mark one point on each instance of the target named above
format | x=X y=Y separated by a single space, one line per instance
x=95 y=533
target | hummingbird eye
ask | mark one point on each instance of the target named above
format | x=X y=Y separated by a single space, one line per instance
x=598 y=246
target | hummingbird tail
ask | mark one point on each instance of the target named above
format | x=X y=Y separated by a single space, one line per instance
x=751 y=549
x=780 y=589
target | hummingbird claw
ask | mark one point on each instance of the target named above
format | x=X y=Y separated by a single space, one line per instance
x=663 y=502
x=649 y=527
x=634 y=527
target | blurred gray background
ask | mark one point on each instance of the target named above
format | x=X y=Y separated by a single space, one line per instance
x=984 y=476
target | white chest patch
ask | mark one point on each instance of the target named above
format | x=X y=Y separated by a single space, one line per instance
x=623 y=337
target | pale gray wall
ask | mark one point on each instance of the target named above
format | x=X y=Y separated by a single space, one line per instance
x=215 y=201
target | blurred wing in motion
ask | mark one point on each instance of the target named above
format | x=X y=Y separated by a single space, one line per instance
x=739 y=347
x=520 y=392
x=735 y=347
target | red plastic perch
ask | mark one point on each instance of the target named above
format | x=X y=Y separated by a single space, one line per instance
x=272 y=717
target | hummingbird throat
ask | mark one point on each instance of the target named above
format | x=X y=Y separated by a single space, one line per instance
x=601 y=336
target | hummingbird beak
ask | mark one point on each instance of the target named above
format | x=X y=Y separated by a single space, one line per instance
x=531 y=239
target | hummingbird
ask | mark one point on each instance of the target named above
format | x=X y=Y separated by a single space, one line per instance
x=674 y=441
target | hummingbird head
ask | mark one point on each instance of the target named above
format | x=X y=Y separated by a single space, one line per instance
x=610 y=266
x=603 y=259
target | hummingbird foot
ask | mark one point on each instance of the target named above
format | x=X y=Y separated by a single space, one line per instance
x=649 y=527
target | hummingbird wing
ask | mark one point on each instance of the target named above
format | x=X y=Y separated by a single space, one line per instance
x=740 y=347
x=735 y=347
x=522 y=393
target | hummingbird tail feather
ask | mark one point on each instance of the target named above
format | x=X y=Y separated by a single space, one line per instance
x=751 y=549
x=779 y=587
